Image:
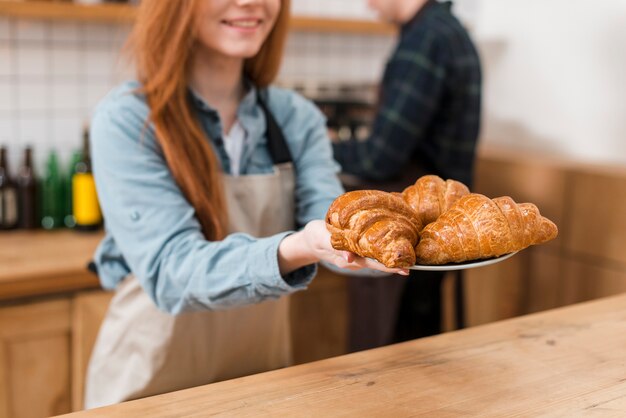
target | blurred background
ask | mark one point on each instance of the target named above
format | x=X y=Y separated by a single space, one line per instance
x=553 y=133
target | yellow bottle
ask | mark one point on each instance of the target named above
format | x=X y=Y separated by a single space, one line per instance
x=85 y=206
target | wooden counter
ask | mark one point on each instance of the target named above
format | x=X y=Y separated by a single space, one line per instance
x=566 y=362
x=45 y=262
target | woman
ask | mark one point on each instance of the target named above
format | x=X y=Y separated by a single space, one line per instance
x=203 y=174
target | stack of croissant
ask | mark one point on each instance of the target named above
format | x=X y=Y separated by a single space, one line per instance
x=434 y=221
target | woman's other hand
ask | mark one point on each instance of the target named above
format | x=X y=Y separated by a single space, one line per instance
x=312 y=244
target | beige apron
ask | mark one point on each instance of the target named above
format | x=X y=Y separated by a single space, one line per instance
x=142 y=351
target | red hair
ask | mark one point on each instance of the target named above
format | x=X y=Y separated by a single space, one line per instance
x=161 y=44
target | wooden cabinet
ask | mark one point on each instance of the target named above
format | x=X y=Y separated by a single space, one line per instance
x=89 y=309
x=585 y=262
x=45 y=345
x=319 y=318
x=35 y=353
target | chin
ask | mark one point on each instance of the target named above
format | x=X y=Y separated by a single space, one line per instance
x=241 y=49
x=245 y=53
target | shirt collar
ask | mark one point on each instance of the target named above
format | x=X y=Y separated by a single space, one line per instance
x=249 y=115
x=248 y=101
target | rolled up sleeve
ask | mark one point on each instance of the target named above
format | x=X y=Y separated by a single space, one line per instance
x=157 y=232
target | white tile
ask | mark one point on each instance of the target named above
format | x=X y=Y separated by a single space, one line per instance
x=100 y=62
x=303 y=7
x=32 y=30
x=33 y=96
x=7 y=60
x=97 y=33
x=32 y=60
x=65 y=32
x=7 y=131
x=67 y=61
x=67 y=96
x=66 y=133
x=95 y=93
x=7 y=98
x=35 y=131
x=123 y=72
x=298 y=7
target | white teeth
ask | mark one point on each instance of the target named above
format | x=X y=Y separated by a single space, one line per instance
x=244 y=23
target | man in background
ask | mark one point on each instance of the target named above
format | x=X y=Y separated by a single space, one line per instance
x=427 y=122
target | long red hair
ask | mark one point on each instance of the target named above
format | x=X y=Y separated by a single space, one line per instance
x=161 y=46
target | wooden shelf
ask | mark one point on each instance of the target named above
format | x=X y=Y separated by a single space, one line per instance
x=103 y=13
x=116 y=13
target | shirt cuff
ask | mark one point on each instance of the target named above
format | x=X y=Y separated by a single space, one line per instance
x=275 y=284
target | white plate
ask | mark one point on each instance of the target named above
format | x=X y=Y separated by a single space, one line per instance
x=462 y=266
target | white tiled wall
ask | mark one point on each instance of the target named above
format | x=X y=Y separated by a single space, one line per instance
x=353 y=9
x=53 y=73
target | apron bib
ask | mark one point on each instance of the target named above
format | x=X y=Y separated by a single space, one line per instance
x=141 y=351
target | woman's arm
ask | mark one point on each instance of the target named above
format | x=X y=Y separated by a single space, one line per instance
x=155 y=228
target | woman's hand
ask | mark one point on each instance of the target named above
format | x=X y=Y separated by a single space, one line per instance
x=312 y=244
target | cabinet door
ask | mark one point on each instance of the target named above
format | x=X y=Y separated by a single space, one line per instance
x=319 y=318
x=89 y=309
x=34 y=359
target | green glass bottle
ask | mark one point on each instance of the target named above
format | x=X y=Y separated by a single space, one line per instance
x=52 y=194
x=69 y=220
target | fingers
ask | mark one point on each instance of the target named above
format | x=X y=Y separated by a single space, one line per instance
x=373 y=264
x=354 y=262
x=348 y=256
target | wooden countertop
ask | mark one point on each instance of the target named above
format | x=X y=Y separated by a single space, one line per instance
x=45 y=262
x=566 y=362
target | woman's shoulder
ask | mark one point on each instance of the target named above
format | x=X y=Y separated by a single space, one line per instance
x=121 y=116
x=124 y=98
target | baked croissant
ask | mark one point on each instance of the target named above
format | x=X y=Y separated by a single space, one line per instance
x=374 y=224
x=431 y=196
x=477 y=227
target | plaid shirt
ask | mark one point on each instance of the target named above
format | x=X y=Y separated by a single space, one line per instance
x=429 y=110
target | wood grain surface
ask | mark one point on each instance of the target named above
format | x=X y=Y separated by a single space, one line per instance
x=45 y=262
x=565 y=362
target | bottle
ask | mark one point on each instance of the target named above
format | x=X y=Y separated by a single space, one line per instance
x=68 y=212
x=52 y=199
x=85 y=205
x=27 y=193
x=8 y=194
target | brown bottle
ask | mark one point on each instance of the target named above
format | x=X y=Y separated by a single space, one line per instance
x=27 y=192
x=8 y=194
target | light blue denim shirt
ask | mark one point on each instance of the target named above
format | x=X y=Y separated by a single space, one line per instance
x=151 y=229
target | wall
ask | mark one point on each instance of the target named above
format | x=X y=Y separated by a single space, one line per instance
x=53 y=73
x=555 y=76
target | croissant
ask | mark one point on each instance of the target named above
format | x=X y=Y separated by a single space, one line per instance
x=374 y=224
x=431 y=196
x=477 y=227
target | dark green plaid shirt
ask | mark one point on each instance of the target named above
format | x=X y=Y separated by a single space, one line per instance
x=429 y=110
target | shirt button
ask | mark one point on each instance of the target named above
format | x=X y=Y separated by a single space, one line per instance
x=134 y=216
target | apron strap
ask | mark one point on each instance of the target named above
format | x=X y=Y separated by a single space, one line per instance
x=276 y=144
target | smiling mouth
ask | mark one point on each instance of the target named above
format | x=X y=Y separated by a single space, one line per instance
x=244 y=24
